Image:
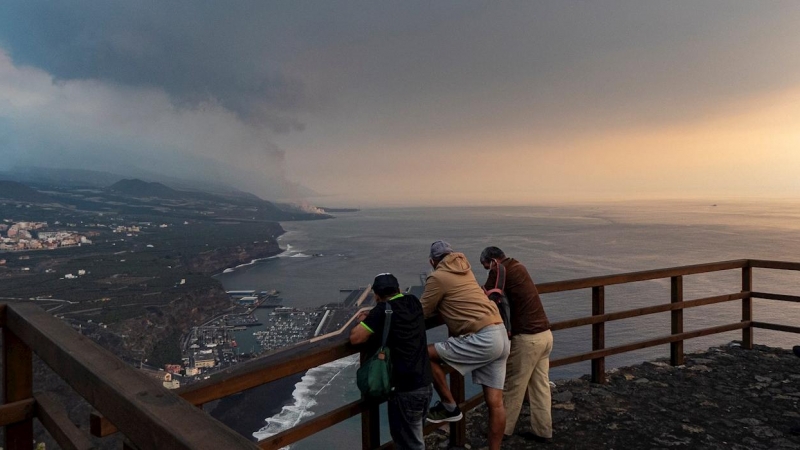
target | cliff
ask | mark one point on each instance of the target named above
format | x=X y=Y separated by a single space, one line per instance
x=217 y=260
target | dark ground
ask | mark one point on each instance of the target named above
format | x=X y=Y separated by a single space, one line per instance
x=724 y=398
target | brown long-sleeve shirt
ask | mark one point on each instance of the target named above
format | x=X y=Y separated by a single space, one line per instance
x=527 y=312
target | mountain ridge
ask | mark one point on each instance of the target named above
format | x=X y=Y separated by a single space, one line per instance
x=138 y=188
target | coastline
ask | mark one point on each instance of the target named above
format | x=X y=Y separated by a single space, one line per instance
x=253 y=261
x=249 y=254
x=248 y=411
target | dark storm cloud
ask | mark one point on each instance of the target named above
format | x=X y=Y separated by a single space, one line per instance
x=230 y=53
x=217 y=80
x=197 y=52
x=564 y=55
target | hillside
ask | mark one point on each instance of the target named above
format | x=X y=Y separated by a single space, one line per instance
x=139 y=188
x=11 y=190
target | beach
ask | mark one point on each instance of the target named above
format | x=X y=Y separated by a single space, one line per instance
x=246 y=412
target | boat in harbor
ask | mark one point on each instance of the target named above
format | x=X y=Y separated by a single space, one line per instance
x=242 y=321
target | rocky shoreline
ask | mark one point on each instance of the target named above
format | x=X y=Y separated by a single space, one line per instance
x=723 y=398
x=215 y=261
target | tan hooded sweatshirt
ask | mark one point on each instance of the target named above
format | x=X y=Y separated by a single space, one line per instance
x=453 y=291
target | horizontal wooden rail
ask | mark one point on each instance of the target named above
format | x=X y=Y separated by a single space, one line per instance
x=99 y=426
x=16 y=412
x=776 y=327
x=648 y=343
x=254 y=374
x=632 y=277
x=286 y=362
x=315 y=425
x=320 y=423
x=589 y=320
x=53 y=416
x=154 y=418
x=782 y=265
x=149 y=415
x=768 y=296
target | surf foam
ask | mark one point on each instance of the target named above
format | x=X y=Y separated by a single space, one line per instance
x=305 y=393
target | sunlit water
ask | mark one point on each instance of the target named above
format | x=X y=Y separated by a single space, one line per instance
x=555 y=243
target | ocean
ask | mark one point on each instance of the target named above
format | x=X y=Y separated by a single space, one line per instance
x=555 y=243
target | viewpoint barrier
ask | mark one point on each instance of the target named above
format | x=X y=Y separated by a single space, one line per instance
x=151 y=417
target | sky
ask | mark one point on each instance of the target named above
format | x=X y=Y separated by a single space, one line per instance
x=366 y=104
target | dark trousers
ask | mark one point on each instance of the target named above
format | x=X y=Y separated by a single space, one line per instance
x=407 y=412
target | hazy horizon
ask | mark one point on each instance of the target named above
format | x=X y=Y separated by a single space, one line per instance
x=413 y=104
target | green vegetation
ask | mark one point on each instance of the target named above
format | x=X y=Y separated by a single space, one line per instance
x=166 y=351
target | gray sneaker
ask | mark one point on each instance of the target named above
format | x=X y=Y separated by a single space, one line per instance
x=438 y=414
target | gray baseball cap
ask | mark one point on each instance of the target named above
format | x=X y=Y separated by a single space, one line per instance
x=439 y=249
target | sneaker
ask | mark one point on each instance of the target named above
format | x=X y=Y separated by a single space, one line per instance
x=438 y=414
x=796 y=350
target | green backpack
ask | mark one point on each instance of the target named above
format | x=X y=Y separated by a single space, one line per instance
x=374 y=377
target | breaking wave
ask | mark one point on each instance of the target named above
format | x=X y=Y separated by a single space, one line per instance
x=305 y=393
x=290 y=252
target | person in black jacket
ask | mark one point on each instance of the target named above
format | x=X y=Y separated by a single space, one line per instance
x=408 y=345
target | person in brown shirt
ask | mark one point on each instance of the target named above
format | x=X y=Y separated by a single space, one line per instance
x=528 y=363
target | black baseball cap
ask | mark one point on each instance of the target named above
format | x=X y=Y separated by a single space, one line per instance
x=385 y=280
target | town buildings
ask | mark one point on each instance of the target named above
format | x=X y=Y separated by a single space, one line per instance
x=21 y=236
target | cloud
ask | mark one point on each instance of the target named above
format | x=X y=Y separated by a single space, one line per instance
x=347 y=87
x=98 y=125
x=197 y=52
x=236 y=54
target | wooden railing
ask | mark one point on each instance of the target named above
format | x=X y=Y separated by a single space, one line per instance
x=151 y=417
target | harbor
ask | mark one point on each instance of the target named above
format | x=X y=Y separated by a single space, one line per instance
x=258 y=323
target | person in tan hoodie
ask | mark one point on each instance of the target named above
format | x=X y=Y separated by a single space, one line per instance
x=478 y=341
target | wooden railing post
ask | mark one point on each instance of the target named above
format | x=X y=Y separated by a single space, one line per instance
x=747 y=307
x=370 y=421
x=17 y=385
x=458 y=430
x=598 y=334
x=676 y=348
